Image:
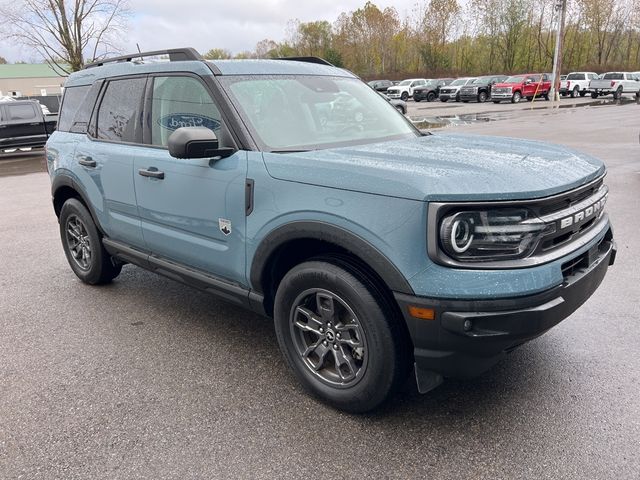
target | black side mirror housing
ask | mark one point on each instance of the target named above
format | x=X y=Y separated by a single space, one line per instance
x=196 y=142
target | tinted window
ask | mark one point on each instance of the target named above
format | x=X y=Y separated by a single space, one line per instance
x=71 y=101
x=118 y=116
x=180 y=102
x=613 y=76
x=21 y=112
x=83 y=112
x=575 y=76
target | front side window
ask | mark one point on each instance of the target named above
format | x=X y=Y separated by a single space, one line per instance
x=119 y=112
x=21 y=112
x=299 y=112
x=180 y=102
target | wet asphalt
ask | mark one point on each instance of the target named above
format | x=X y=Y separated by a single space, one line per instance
x=146 y=378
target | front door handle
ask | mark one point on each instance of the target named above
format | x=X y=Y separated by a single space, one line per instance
x=152 y=172
x=86 y=161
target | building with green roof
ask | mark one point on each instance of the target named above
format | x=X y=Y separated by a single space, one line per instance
x=23 y=79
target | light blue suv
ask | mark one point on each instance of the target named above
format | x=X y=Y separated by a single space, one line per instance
x=292 y=188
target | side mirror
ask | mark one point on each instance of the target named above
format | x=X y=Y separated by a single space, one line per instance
x=528 y=81
x=196 y=142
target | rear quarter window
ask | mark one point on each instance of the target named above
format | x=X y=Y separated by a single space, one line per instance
x=613 y=76
x=71 y=101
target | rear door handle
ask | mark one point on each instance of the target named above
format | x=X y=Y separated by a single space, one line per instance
x=152 y=172
x=86 y=161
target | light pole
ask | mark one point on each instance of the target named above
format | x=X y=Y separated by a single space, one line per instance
x=561 y=7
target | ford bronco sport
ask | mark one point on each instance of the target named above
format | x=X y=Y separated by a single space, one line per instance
x=377 y=250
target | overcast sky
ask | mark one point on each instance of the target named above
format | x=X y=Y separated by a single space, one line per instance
x=235 y=25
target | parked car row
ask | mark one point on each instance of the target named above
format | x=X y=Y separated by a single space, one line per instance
x=23 y=124
x=499 y=88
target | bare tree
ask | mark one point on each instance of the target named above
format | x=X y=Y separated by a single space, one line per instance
x=65 y=32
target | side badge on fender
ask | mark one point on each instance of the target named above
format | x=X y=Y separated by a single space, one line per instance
x=224 y=225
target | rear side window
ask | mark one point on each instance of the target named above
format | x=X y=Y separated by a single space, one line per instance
x=576 y=76
x=614 y=76
x=21 y=112
x=73 y=97
x=119 y=112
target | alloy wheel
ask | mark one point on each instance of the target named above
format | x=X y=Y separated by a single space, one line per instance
x=78 y=242
x=329 y=337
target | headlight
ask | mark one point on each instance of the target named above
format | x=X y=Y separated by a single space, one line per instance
x=489 y=235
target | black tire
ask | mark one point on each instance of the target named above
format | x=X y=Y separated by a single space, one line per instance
x=583 y=93
x=638 y=95
x=457 y=97
x=575 y=92
x=431 y=97
x=594 y=95
x=617 y=94
x=546 y=96
x=380 y=366
x=496 y=101
x=482 y=97
x=515 y=98
x=404 y=96
x=400 y=108
x=443 y=99
x=78 y=228
x=416 y=99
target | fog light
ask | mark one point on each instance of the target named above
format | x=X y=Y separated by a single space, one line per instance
x=468 y=325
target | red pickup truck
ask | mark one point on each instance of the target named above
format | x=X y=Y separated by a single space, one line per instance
x=516 y=87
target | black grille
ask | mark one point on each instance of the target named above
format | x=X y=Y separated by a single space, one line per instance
x=570 y=198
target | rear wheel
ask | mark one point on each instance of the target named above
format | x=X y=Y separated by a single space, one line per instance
x=400 y=108
x=83 y=247
x=575 y=92
x=583 y=93
x=594 y=94
x=617 y=94
x=339 y=335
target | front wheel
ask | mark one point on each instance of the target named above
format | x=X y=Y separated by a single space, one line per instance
x=83 y=246
x=340 y=337
x=404 y=96
x=515 y=98
x=482 y=97
x=431 y=97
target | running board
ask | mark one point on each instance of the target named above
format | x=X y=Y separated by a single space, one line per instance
x=231 y=292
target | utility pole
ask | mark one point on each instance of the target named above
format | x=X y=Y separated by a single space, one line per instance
x=561 y=7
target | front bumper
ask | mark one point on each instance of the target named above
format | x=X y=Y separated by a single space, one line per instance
x=467 y=337
x=393 y=94
x=448 y=96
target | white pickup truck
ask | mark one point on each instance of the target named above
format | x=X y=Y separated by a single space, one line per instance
x=405 y=88
x=577 y=83
x=616 y=83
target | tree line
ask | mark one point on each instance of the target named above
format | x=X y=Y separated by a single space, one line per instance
x=447 y=37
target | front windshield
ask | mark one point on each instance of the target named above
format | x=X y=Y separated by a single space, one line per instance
x=405 y=82
x=460 y=81
x=515 y=80
x=480 y=80
x=299 y=112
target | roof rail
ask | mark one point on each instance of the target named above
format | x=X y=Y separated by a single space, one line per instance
x=318 y=60
x=175 y=55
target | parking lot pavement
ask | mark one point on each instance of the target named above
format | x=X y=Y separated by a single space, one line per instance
x=437 y=108
x=146 y=378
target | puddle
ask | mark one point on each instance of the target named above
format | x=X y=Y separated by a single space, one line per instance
x=424 y=123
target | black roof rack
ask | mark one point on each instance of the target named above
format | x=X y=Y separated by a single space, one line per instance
x=175 y=55
x=318 y=60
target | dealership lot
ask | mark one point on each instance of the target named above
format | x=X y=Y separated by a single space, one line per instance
x=149 y=378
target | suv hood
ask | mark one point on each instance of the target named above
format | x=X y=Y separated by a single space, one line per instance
x=442 y=167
